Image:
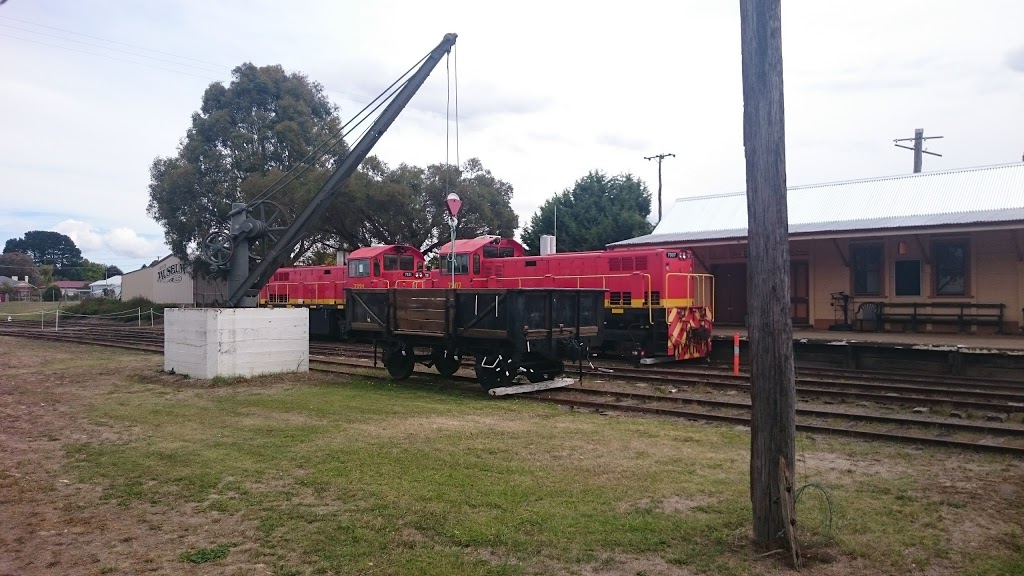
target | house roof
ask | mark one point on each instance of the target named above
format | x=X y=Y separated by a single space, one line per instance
x=6 y=280
x=985 y=195
x=71 y=284
x=112 y=281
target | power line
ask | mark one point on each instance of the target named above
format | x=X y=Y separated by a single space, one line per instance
x=101 y=47
x=111 y=41
x=112 y=57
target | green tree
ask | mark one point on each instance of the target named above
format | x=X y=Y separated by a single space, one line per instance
x=46 y=247
x=247 y=136
x=244 y=136
x=597 y=211
x=19 y=264
x=406 y=205
x=52 y=293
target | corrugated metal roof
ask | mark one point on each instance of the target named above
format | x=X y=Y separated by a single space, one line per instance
x=965 y=196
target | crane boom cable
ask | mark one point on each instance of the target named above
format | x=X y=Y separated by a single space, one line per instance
x=340 y=134
x=455 y=62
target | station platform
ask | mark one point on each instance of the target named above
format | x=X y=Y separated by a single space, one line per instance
x=994 y=356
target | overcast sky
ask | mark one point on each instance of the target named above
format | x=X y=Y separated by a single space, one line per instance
x=547 y=91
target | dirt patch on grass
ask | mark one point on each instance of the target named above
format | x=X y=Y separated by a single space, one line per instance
x=629 y=565
x=670 y=505
x=53 y=524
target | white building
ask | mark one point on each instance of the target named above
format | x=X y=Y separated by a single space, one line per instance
x=109 y=288
x=164 y=282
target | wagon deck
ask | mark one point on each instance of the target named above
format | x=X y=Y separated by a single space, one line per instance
x=508 y=331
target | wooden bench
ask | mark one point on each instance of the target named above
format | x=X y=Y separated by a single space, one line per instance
x=963 y=314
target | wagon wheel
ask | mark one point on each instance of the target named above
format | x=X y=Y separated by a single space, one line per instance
x=399 y=364
x=274 y=216
x=495 y=371
x=217 y=248
x=446 y=362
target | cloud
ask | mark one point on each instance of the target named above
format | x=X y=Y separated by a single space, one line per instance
x=1015 y=60
x=122 y=241
x=82 y=234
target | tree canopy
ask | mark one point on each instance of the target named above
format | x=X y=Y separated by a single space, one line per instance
x=597 y=211
x=46 y=247
x=18 y=264
x=246 y=136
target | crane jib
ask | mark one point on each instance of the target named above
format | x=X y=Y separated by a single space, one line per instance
x=242 y=289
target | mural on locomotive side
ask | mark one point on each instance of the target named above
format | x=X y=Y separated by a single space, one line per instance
x=656 y=305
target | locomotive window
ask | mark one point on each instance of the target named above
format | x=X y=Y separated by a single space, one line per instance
x=490 y=251
x=531 y=263
x=406 y=263
x=358 y=268
x=461 y=264
x=506 y=252
x=327 y=271
x=390 y=262
x=476 y=263
x=376 y=266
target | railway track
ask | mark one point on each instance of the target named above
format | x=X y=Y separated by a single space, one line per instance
x=681 y=392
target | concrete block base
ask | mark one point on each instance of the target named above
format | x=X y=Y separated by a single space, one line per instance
x=210 y=342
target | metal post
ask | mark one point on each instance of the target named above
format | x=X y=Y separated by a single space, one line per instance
x=451 y=258
x=736 y=354
x=150 y=317
x=41 y=314
x=239 y=264
x=140 y=316
x=56 y=323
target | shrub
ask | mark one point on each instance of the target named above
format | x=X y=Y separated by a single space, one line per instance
x=116 y=309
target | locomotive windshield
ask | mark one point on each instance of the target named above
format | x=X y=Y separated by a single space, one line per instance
x=395 y=262
x=359 y=268
x=461 y=264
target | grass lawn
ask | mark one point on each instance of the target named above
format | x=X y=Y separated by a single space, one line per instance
x=316 y=474
x=27 y=310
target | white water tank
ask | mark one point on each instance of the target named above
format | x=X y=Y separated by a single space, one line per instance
x=547 y=245
x=342 y=257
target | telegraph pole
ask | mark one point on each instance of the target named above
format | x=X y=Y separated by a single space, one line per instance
x=918 y=147
x=659 y=158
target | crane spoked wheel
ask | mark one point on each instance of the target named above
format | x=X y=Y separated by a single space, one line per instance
x=399 y=363
x=495 y=371
x=446 y=362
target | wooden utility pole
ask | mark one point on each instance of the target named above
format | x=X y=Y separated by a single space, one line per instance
x=772 y=381
x=918 y=147
x=659 y=158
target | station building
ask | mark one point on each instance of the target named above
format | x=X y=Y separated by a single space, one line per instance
x=163 y=282
x=938 y=251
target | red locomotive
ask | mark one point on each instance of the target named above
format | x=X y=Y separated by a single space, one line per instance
x=322 y=288
x=657 y=306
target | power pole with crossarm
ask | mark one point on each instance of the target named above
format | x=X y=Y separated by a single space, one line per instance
x=659 y=158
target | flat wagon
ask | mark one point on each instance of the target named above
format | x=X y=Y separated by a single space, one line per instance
x=508 y=332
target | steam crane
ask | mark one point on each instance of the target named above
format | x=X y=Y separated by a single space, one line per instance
x=228 y=250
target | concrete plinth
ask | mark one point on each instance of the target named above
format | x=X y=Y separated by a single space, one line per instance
x=210 y=342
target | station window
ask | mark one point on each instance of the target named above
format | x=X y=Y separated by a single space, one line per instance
x=866 y=262
x=358 y=268
x=476 y=264
x=406 y=263
x=461 y=264
x=950 y=259
x=908 y=278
